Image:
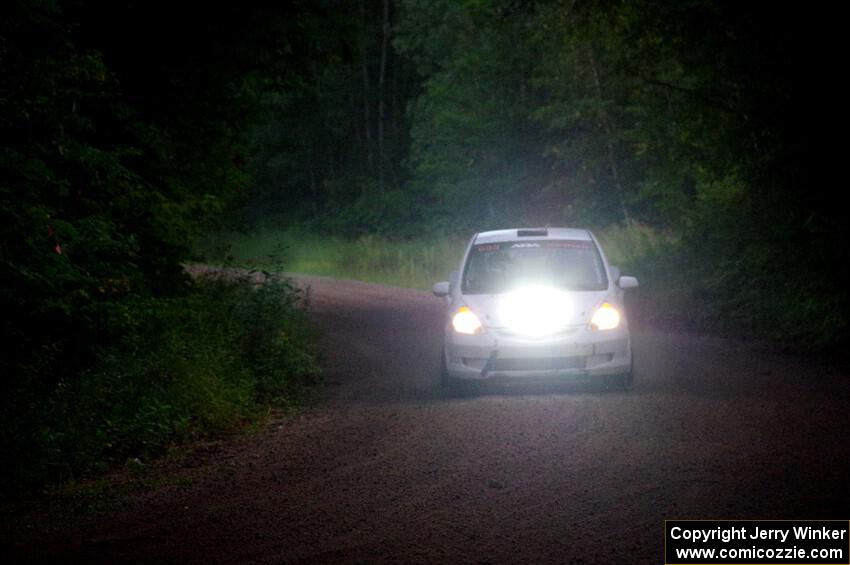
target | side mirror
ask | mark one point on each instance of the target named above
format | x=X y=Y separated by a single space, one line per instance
x=441 y=289
x=627 y=282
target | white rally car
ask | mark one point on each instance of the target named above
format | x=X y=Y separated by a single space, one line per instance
x=536 y=302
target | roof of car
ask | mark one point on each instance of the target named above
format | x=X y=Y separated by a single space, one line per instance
x=520 y=234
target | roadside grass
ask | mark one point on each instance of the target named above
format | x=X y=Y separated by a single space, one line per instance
x=681 y=286
x=214 y=361
x=414 y=264
x=627 y=246
x=666 y=295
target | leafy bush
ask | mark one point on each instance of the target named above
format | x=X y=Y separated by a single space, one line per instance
x=192 y=366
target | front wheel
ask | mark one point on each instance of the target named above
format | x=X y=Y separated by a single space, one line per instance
x=624 y=381
x=445 y=380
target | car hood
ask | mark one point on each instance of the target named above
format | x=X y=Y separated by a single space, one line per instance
x=488 y=307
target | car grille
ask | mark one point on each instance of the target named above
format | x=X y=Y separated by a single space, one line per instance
x=538 y=364
x=565 y=331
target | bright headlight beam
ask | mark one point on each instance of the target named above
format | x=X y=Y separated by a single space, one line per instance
x=606 y=317
x=466 y=322
x=536 y=311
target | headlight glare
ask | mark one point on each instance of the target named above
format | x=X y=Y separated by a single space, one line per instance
x=606 y=317
x=466 y=322
x=536 y=311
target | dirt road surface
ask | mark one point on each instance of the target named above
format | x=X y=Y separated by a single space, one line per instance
x=393 y=468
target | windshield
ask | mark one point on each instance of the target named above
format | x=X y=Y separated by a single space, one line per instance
x=500 y=267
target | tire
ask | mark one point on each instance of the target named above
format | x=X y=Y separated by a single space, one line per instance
x=445 y=380
x=624 y=381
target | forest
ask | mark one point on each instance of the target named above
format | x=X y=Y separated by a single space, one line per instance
x=130 y=131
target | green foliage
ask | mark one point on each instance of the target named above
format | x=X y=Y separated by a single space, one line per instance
x=702 y=119
x=372 y=211
x=698 y=117
x=475 y=150
x=383 y=259
x=629 y=246
x=115 y=149
x=331 y=150
x=190 y=367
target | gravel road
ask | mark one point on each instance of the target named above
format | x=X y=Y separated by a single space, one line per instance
x=393 y=468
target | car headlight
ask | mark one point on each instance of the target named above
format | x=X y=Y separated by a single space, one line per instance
x=606 y=317
x=466 y=322
x=536 y=311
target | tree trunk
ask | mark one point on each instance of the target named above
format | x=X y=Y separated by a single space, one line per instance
x=314 y=189
x=609 y=138
x=364 y=66
x=385 y=36
x=393 y=124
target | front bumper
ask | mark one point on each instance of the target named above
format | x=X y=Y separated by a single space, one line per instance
x=578 y=352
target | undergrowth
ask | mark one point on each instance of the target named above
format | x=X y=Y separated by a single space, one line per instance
x=410 y=263
x=680 y=288
x=196 y=366
x=415 y=264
